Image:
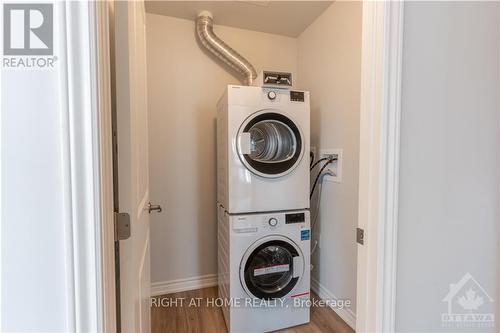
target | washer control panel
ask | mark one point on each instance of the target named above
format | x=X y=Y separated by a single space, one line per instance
x=272 y=222
x=295 y=218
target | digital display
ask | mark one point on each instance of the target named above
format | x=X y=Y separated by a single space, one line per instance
x=297 y=96
x=295 y=218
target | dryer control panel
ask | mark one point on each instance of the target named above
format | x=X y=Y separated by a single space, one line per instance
x=278 y=95
x=296 y=96
x=272 y=95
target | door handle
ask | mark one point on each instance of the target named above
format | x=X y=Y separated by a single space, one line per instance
x=152 y=207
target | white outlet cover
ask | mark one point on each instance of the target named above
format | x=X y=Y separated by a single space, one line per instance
x=336 y=167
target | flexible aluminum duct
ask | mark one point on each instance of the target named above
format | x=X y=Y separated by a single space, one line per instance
x=204 y=30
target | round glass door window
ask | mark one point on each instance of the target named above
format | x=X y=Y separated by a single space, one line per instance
x=270 y=144
x=268 y=272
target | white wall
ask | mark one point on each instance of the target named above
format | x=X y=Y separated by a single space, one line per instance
x=49 y=228
x=184 y=85
x=34 y=286
x=448 y=185
x=329 y=66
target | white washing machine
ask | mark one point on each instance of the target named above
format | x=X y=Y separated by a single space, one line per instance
x=264 y=267
x=263 y=149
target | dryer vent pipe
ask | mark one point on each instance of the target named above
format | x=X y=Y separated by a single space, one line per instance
x=204 y=30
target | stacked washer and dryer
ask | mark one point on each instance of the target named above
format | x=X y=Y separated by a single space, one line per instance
x=263 y=206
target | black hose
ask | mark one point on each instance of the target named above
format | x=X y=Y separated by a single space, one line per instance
x=319 y=175
x=318 y=162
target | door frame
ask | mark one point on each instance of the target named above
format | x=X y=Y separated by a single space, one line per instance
x=381 y=72
x=85 y=97
x=381 y=67
x=100 y=50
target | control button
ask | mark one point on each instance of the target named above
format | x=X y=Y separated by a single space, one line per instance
x=271 y=95
x=273 y=222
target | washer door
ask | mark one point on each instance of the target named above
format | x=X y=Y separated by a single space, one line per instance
x=270 y=144
x=271 y=268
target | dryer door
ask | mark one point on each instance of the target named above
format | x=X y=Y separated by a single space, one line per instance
x=271 y=268
x=270 y=144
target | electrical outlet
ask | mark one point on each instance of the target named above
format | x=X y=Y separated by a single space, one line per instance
x=334 y=169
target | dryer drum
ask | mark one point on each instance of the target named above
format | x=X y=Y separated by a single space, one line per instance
x=271 y=142
x=275 y=145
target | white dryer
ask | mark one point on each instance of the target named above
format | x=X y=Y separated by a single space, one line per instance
x=264 y=267
x=263 y=149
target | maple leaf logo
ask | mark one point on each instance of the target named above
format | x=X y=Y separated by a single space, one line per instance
x=470 y=301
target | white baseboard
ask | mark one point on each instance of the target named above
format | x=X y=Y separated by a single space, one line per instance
x=191 y=283
x=346 y=314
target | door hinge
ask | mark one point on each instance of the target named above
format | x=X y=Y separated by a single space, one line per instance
x=360 y=236
x=122 y=226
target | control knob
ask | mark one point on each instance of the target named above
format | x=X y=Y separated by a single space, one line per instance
x=273 y=222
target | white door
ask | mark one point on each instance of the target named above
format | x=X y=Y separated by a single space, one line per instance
x=133 y=182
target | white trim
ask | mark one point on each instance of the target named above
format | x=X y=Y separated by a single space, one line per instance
x=83 y=168
x=80 y=167
x=102 y=88
x=145 y=256
x=60 y=10
x=497 y=325
x=379 y=164
x=191 y=283
x=346 y=314
x=390 y=152
x=1 y=187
